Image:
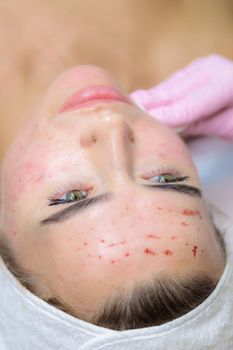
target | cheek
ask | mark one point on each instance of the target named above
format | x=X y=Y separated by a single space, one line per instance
x=93 y=246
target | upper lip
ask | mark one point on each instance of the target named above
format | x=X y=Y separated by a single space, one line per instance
x=93 y=93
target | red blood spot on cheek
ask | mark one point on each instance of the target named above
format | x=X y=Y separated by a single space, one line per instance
x=194 y=250
x=167 y=252
x=151 y=235
x=115 y=244
x=102 y=241
x=173 y=237
x=127 y=254
x=189 y=212
x=148 y=251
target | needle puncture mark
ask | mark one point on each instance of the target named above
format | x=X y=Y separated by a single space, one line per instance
x=184 y=224
x=150 y=252
x=194 y=250
x=153 y=236
x=168 y=252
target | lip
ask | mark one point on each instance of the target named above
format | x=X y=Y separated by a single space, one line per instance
x=91 y=95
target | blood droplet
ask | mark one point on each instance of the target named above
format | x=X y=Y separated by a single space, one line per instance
x=194 y=250
x=127 y=254
x=149 y=252
x=113 y=261
x=189 y=212
x=102 y=241
x=167 y=252
x=153 y=236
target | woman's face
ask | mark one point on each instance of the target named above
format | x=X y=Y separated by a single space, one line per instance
x=135 y=229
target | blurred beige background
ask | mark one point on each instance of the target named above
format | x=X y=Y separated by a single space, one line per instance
x=140 y=41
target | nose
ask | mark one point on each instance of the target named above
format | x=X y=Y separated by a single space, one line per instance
x=112 y=139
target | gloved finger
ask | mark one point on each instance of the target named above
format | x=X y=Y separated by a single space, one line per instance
x=170 y=91
x=184 y=81
x=175 y=87
x=199 y=104
x=220 y=125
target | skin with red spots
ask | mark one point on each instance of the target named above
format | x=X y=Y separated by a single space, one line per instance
x=108 y=148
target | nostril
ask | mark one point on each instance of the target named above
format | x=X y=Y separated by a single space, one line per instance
x=93 y=138
x=87 y=140
x=131 y=135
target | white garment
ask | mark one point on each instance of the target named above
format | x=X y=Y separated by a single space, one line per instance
x=29 y=323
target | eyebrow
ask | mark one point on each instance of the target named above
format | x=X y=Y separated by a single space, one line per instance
x=185 y=189
x=66 y=213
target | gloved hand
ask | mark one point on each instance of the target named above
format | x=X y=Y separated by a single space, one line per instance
x=198 y=99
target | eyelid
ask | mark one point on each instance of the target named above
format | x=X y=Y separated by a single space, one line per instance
x=170 y=169
x=72 y=186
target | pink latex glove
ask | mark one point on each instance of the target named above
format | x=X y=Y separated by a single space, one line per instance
x=198 y=98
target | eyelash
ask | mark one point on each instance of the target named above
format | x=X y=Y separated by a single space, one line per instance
x=55 y=198
x=167 y=170
x=73 y=186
